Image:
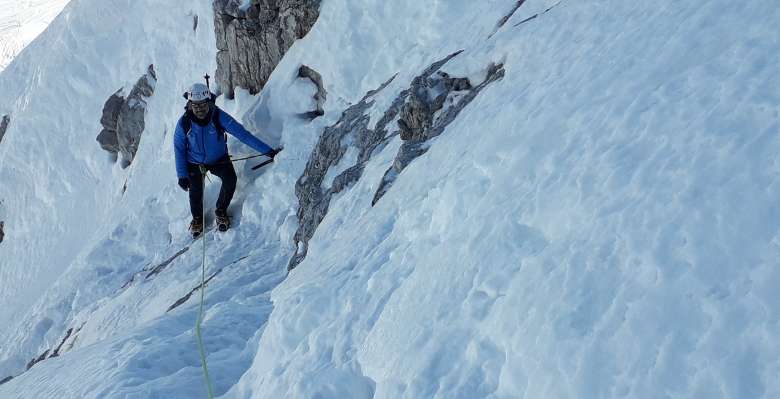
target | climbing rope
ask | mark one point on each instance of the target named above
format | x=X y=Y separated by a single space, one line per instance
x=203 y=173
x=202 y=295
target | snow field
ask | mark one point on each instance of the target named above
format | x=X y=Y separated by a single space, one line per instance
x=597 y=242
x=599 y=223
x=21 y=22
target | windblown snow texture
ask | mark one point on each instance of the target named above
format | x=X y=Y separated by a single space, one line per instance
x=21 y=22
x=600 y=222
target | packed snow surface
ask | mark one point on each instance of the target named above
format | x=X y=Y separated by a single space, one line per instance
x=21 y=21
x=600 y=223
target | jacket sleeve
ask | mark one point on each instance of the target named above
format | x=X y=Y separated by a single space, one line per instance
x=237 y=130
x=180 y=151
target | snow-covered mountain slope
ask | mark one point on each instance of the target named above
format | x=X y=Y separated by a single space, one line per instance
x=21 y=22
x=599 y=222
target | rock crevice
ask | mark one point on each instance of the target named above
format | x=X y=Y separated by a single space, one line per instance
x=508 y=16
x=4 y=121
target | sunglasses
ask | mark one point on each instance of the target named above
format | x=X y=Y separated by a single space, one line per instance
x=200 y=106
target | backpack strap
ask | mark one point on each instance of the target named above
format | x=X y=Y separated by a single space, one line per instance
x=186 y=122
x=217 y=124
x=186 y=125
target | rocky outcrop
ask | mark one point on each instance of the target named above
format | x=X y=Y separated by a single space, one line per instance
x=4 y=121
x=108 y=136
x=6 y=379
x=420 y=115
x=313 y=192
x=319 y=97
x=2 y=231
x=123 y=118
x=433 y=103
x=252 y=41
x=423 y=111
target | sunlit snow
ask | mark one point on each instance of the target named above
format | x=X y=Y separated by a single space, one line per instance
x=600 y=223
x=21 y=21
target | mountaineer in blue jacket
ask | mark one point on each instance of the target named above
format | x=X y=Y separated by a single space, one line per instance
x=200 y=140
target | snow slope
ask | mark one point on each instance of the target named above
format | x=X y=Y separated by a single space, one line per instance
x=21 y=22
x=600 y=223
x=58 y=185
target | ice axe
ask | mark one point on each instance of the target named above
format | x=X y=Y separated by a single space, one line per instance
x=271 y=155
x=261 y=164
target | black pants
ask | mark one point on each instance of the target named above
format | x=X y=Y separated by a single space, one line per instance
x=222 y=169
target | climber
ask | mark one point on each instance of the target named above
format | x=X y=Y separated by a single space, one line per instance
x=200 y=142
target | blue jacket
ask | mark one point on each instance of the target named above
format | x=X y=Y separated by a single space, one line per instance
x=203 y=144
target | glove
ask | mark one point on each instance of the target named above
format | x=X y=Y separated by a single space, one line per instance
x=184 y=183
x=273 y=153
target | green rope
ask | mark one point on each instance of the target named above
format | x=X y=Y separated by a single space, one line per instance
x=202 y=294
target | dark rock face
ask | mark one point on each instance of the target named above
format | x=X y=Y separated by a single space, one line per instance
x=130 y=123
x=2 y=231
x=313 y=197
x=319 y=97
x=123 y=118
x=56 y=351
x=39 y=359
x=4 y=121
x=420 y=115
x=6 y=379
x=506 y=17
x=538 y=14
x=424 y=116
x=251 y=43
x=108 y=137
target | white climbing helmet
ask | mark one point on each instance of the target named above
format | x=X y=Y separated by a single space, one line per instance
x=198 y=92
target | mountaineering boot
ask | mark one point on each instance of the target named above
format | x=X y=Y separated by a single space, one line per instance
x=222 y=219
x=196 y=227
